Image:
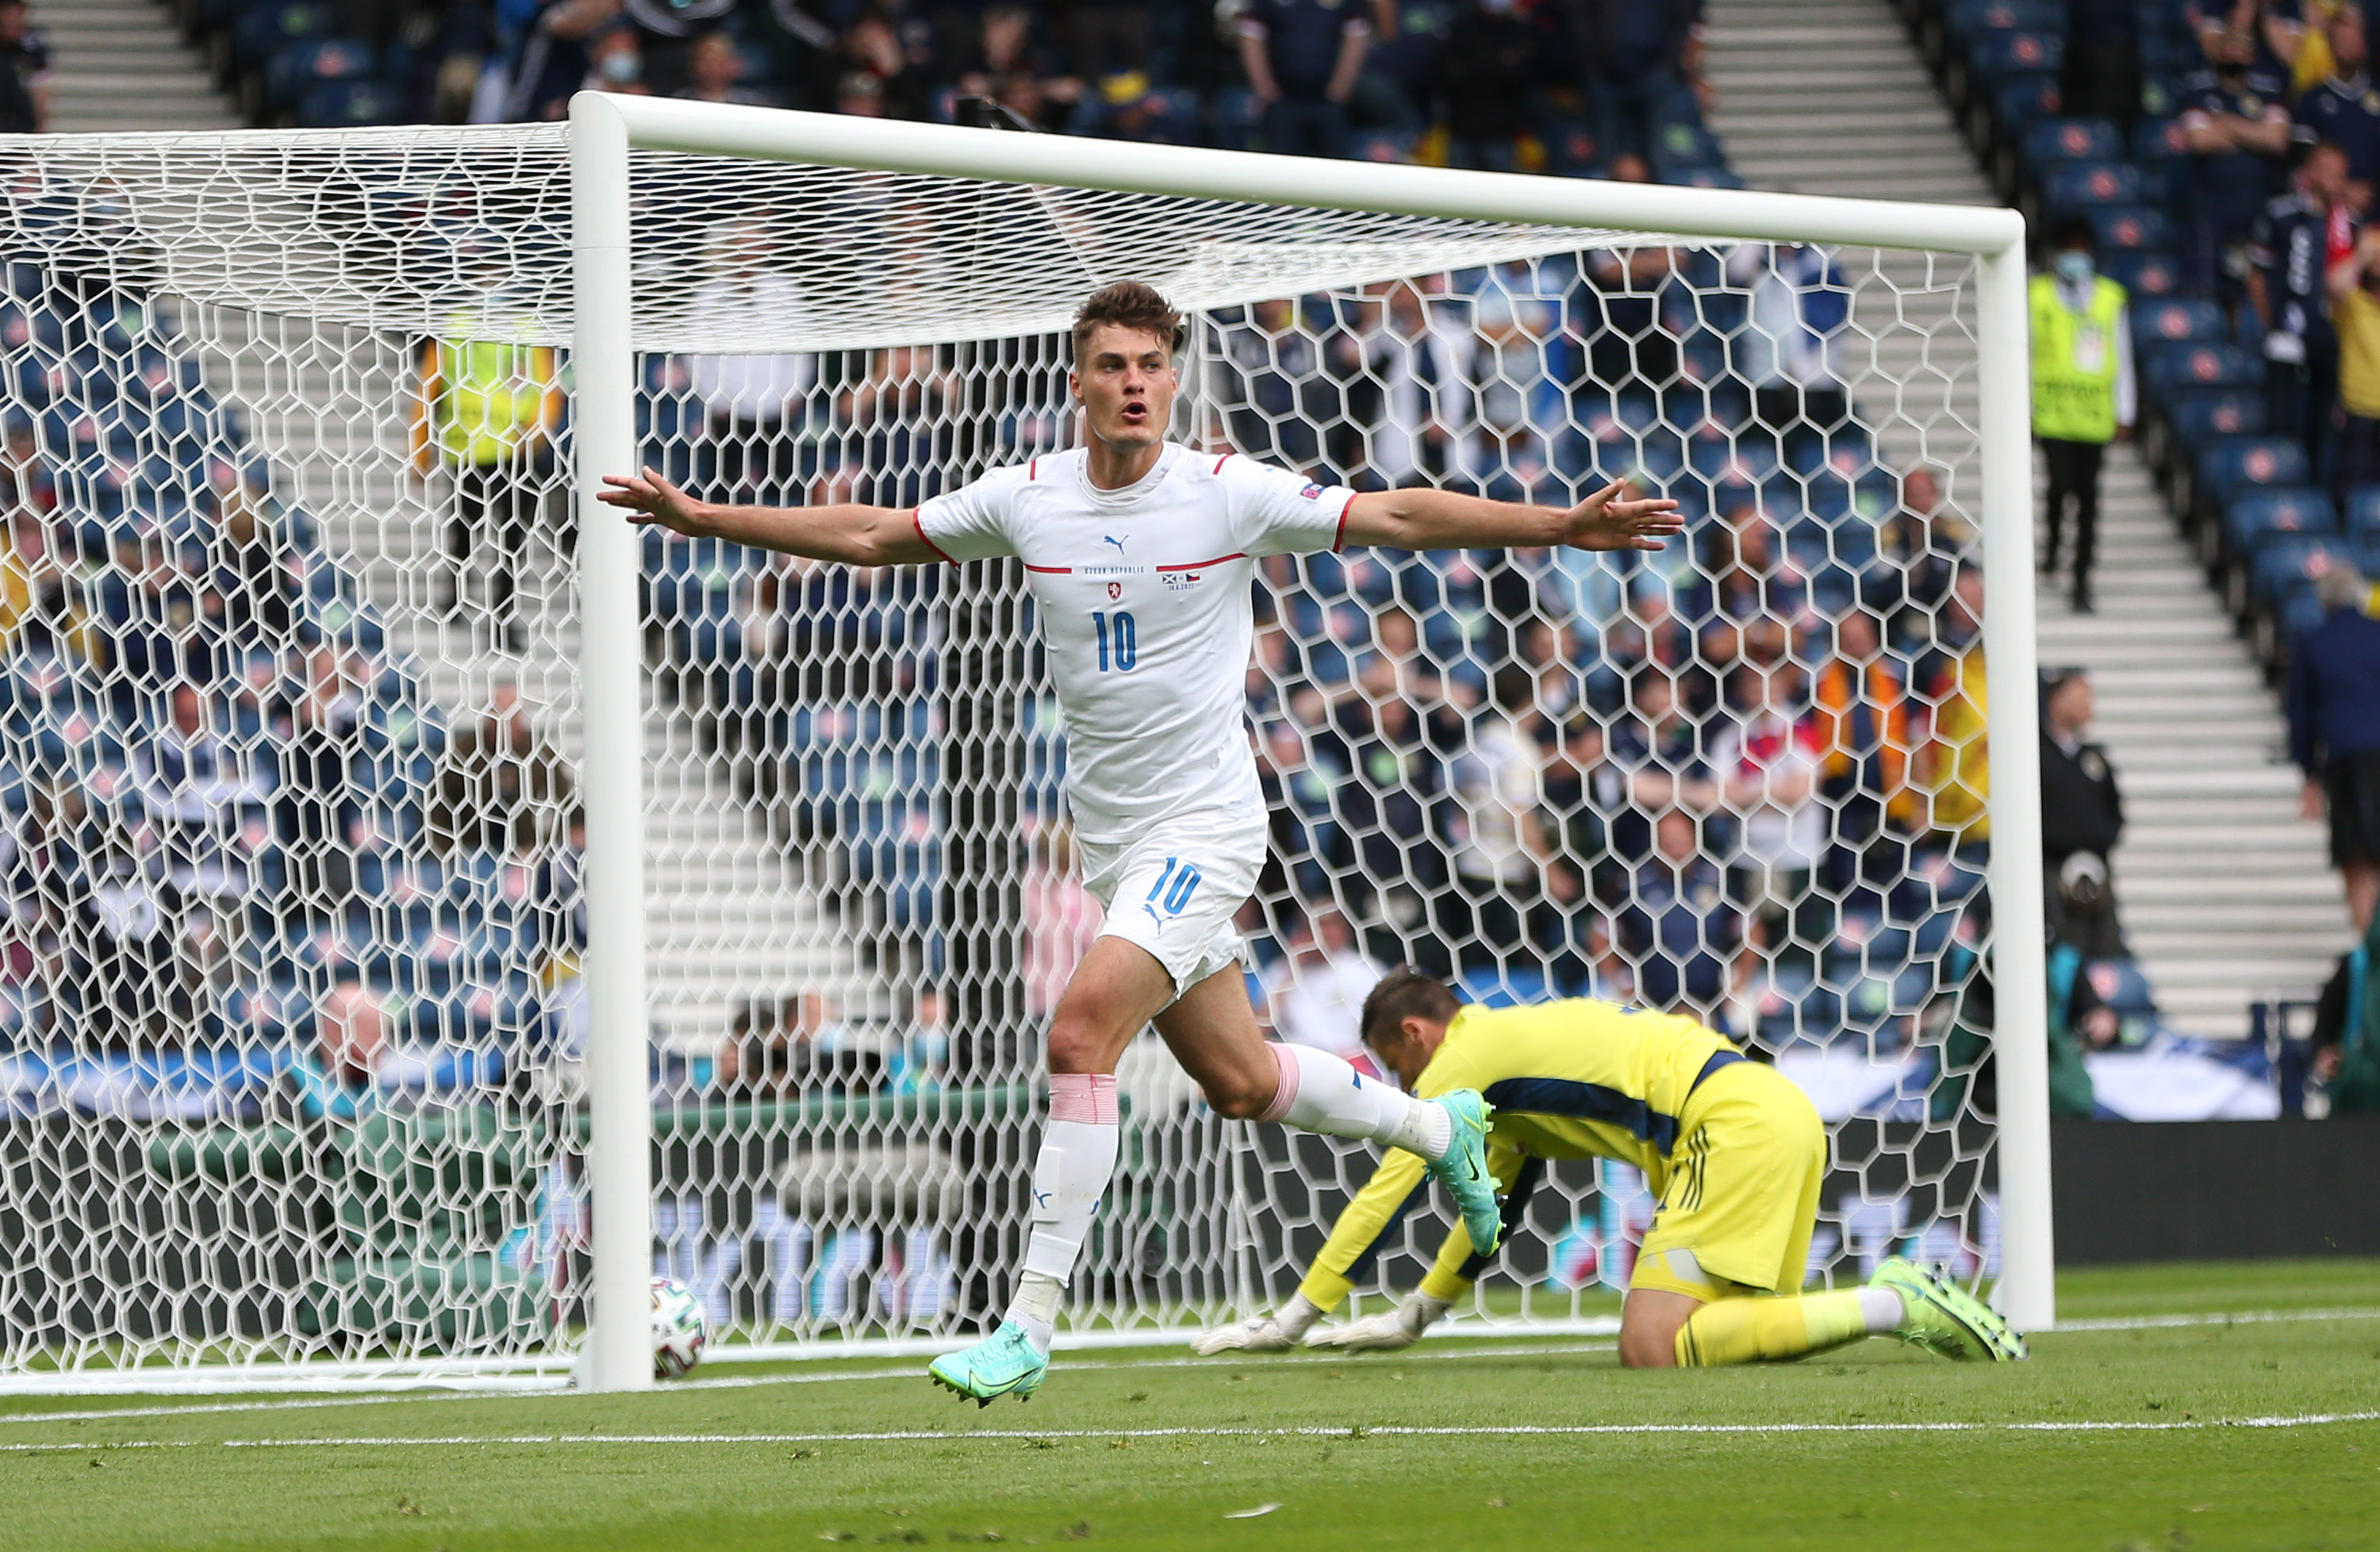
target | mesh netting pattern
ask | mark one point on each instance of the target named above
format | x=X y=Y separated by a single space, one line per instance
x=286 y=624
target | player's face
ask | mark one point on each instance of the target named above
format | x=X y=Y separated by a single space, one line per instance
x=1126 y=382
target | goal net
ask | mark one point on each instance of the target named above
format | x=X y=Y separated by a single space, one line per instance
x=294 y=1051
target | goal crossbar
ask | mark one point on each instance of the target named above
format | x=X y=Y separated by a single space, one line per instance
x=605 y=129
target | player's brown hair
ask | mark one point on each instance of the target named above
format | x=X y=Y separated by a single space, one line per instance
x=1405 y=993
x=1131 y=304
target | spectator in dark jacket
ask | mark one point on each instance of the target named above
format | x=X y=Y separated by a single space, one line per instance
x=1640 y=62
x=2334 y=733
x=2082 y=816
x=1303 y=57
x=1488 y=76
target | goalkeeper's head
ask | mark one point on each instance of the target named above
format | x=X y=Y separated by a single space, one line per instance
x=1126 y=338
x=1404 y=1022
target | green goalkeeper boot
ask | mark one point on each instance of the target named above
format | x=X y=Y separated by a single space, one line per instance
x=1463 y=1169
x=1946 y=1319
x=1004 y=1364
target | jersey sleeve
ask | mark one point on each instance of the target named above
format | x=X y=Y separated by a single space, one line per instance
x=1277 y=513
x=1392 y=1191
x=971 y=523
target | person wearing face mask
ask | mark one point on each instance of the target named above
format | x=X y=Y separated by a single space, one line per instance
x=2083 y=390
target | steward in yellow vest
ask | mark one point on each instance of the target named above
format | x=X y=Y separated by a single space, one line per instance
x=2083 y=390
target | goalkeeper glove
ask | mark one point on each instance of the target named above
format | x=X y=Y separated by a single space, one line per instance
x=1261 y=1333
x=1401 y=1327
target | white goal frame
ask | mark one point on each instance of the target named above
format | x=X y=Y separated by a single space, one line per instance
x=603 y=129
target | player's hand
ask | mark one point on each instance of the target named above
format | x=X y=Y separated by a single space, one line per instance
x=1258 y=1333
x=647 y=497
x=1399 y=1328
x=1606 y=520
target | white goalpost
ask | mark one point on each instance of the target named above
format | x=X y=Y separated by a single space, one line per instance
x=606 y=128
x=334 y=1054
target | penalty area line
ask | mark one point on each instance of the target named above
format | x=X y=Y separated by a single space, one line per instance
x=1356 y=1431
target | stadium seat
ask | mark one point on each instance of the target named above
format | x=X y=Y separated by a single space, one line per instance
x=2250 y=519
x=2194 y=414
x=2130 y=227
x=2205 y=364
x=2175 y=320
x=1967 y=19
x=2284 y=562
x=2230 y=466
x=2079 y=185
x=2363 y=512
x=2142 y=274
x=2060 y=139
x=1999 y=53
x=296 y=68
x=349 y=103
x=263 y=29
x=2160 y=139
x=2024 y=100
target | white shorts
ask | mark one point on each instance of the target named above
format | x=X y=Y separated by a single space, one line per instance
x=1173 y=888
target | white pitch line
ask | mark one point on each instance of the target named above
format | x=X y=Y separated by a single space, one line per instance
x=1500 y=1349
x=1517 y=1430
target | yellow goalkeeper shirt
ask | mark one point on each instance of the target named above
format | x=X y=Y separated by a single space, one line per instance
x=1569 y=1080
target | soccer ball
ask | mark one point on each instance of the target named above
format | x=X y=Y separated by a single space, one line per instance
x=679 y=1329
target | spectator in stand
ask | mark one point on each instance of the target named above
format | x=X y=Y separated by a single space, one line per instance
x=615 y=62
x=2343 y=109
x=875 y=46
x=1791 y=347
x=1640 y=62
x=1058 y=916
x=752 y=404
x=2238 y=129
x=1503 y=858
x=1490 y=73
x=1618 y=311
x=1106 y=37
x=351 y=1045
x=1423 y=362
x=1918 y=556
x=1861 y=705
x=1303 y=58
x=1316 y=992
x=1954 y=769
x=24 y=72
x=2295 y=239
x=1680 y=945
x=2084 y=392
x=1764 y=766
x=2102 y=77
x=488 y=412
x=859 y=94
x=500 y=785
x=715 y=74
x=2081 y=817
x=544 y=58
x=920 y=1062
x=2334 y=705
x=2355 y=315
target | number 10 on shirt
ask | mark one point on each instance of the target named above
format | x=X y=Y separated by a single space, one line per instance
x=1117 y=637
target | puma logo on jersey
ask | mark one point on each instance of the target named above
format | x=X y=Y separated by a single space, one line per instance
x=1111 y=538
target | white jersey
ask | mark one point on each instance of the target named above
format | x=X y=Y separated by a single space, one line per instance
x=1144 y=601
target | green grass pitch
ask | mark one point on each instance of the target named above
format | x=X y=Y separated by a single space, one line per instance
x=1872 y=1446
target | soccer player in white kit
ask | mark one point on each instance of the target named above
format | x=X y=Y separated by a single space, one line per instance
x=1140 y=554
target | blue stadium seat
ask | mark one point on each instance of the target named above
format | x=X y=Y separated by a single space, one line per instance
x=1967 y=19
x=2174 y=320
x=2160 y=139
x=2363 y=512
x=2079 y=185
x=2194 y=414
x=2130 y=227
x=350 y=104
x=2058 y=140
x=263 y=30
x=2287 y=563
x=2300 y=510
x=2014 y=53
x=2024 y=100
x=2202 y=365
x=2231 y=465
x=297 y=68
x=2144 y=273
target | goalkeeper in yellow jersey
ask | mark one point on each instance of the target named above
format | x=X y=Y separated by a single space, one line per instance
x=1732 y=1151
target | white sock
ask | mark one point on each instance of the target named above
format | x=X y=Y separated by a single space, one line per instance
x=1070 y=1175
x=1320 y=1093
x=1885 y=1310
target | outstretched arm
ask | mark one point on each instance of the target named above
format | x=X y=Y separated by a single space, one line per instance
x=853 y=535
x=1427 y=519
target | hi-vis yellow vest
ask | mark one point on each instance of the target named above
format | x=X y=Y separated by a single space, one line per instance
x=2074 y=362
x=487 y=398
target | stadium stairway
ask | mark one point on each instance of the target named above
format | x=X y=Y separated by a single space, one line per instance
x=2226 y=892
x=733 y=922
x=121 y=64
